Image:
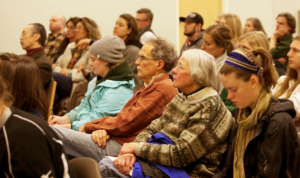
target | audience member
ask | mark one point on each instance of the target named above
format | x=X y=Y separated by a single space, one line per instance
x=188 y=140
x=21 y=75
x=108 y=134
x=144 y=18
x=69 y=38
x=233 y=22
x=108 y=93
x=288 y=86
x=266 y=141
x=32 y=40
x=126 y=29
x=193 y=24
x=29 y=148
x=253 y=24
x=217 y=42
x=57 y=28
x=281 y=40
x=65 y=70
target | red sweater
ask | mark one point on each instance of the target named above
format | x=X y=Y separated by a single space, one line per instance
x=146 y=105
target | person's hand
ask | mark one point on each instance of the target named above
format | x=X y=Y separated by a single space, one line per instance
x=64 y=71
x=128 y=148
x=125 y=163
x=81 y=129
x=100 y=137
x=82 y=44
x=280 y=32
x=59 y=120
x=68 y=126
x=82 y=69
x=282 y=60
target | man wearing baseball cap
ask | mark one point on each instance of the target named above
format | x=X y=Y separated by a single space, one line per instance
x=193 y=30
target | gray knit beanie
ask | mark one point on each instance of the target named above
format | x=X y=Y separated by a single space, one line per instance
x=109 y=48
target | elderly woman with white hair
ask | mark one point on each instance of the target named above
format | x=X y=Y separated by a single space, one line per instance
x=188 y=140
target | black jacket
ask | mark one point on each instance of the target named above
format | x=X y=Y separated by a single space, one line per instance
x=274 y=150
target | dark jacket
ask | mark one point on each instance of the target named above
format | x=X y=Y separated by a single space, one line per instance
x=274 y=151
x=196 y=44
x=44 y=66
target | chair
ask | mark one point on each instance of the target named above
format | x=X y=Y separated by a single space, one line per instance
x=85 y=167
x=51 y=95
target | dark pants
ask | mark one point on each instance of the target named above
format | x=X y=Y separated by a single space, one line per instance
x=64 y=86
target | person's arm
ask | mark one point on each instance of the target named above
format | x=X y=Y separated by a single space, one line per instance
x=295 y=97
x=139 y=113
x=78 y=76
x=45 y=72
x=282 y=47
x=277 y=145
x=110 y=103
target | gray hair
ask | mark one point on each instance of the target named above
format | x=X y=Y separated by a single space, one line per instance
x=162 y=50
x=202 y=66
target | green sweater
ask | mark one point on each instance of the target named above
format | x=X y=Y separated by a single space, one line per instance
x=198 y=124
x=282 y=47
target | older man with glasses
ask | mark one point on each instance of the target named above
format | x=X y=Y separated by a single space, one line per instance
x=106 y=135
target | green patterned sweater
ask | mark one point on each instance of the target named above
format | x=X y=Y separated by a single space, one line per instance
x=198 y=125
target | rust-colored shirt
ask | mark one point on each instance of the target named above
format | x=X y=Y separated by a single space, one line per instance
x=146 y=105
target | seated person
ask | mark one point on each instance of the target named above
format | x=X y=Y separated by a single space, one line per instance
x=265 y=143
x=109 y=91
x=65 y=69
x=29 y=148
x=108 y=134
x=22 y=77
x=288 y=86
x=192 y=130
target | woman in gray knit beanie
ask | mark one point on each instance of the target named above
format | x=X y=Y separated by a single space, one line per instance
x=109 y=91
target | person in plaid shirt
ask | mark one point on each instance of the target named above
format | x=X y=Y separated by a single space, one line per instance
x=57 y=25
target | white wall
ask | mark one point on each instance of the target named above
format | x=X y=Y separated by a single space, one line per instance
x=265 y=10
x=16 y=14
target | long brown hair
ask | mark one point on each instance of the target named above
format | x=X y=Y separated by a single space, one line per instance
x=222 y=36
x=131 y=23
x=25 y=83
x=291 y=75
x=91 y=28
x=257 y=24
x=5 y=96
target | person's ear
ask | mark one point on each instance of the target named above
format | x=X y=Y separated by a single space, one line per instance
x=129 y=31
x=36 y=36
x=160 y=65
x=254 y=81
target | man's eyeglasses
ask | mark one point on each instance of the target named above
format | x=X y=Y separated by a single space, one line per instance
x=143 y=58
x=140 y=20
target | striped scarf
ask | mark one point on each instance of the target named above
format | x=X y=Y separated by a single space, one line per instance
x=247 y=121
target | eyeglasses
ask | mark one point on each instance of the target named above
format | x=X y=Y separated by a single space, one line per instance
x=180 y=67
x=143 y=58
x=79 y=28
x=140 y=20
x=24 y=34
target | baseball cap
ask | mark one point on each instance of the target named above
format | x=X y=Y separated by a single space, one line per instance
x=193 y=17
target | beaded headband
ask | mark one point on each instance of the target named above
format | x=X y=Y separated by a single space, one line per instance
x=241 y=59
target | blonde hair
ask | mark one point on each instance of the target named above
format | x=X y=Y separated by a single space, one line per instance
x=291 y=74
x=233 y=22
x=256 y=39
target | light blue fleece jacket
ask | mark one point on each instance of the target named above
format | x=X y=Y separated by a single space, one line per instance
x=105 y=99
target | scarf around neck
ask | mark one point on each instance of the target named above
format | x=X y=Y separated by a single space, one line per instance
x=247 y=121
x=121 y=73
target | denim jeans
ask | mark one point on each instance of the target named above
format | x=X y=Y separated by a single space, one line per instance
x=108 y=169
x=78 y=144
